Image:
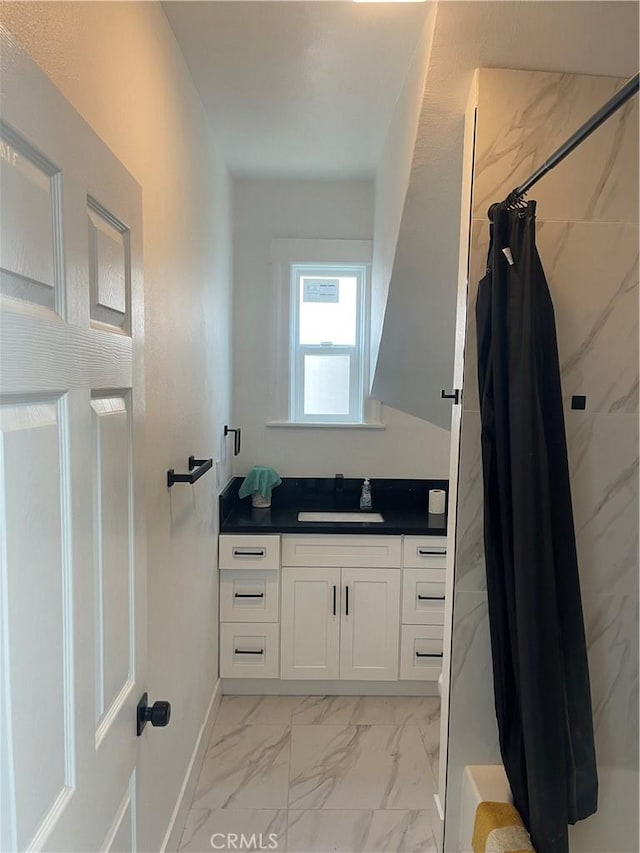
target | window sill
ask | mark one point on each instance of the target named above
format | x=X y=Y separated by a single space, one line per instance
x=321 y=425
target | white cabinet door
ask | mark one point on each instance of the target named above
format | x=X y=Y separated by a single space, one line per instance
x=370 y=624
x=310 y=623
x=72 y=553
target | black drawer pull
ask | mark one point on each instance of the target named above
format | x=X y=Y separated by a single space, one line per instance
x=428 y=655
x=432 y=552
x=248 y=595
x=430 y=597
x=249 y=552
x=248 y=652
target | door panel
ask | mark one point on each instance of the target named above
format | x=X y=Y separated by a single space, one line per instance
x=35 y=636
x=310 y=628
x=370 y=625
x=31 y=225
x=109 y=268
x=72 y=550
x=113 y=564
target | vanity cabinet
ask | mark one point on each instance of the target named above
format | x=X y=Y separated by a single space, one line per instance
x=340 y=623
x=423 y=585
x=346 y=591
x=369 y=636
x=249 y=606
x=310 y=625
x=331 y=607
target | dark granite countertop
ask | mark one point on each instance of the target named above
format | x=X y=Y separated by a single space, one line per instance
x=403 y=504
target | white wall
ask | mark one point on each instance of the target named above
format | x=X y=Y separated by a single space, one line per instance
x=120 y=67
x=267 y=209
x=392 y=179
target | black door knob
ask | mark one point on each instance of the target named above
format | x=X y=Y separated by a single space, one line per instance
x=157 y=714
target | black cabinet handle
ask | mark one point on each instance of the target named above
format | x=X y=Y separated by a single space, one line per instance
x=201 y=466
x=432 y=552
x=248 y=595
x=249 y=552
x=427 y=655
x=346 y=597
x=430 y=597
x=335 y=599
x=248 y=652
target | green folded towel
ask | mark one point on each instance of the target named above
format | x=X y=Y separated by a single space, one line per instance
x=260 y=479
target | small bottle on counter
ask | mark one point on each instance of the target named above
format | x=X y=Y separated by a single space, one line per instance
x=365 y=497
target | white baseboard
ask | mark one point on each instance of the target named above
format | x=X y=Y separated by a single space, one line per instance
x=304 y=687
x=181 y=809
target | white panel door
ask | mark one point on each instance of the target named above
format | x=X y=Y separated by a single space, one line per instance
x=370 y=633
x=310 y=623
x=72 y=554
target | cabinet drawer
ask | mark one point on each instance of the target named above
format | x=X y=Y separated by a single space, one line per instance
x=423 y=596
x=342 y=551
x=249 y=596
x=421 y=652
x=249 y=651
x=429 y=552
x=249 y=552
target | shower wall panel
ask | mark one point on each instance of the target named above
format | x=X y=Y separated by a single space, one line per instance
x=588 y=241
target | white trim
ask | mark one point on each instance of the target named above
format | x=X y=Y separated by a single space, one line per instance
x=308 y=687
x=355 y=352
x=183 y=803
x=284 y=253
x=328 y=425
x=454 y=454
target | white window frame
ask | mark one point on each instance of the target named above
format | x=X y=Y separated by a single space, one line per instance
x=355 y=352
x=286 y=252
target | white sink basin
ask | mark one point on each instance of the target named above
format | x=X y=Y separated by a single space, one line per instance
x=344 y=517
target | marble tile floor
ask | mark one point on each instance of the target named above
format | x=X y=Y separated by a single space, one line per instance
x=307 y=774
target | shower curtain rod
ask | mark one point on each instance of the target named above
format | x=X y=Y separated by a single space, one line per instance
x=621 y=97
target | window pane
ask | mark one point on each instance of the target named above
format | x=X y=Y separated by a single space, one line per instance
x=326 y=384
x=328 y=309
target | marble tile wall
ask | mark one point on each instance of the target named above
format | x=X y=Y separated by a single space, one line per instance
x=588 y=241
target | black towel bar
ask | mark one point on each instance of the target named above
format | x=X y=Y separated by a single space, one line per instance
x=236 y=438
x=201 y=467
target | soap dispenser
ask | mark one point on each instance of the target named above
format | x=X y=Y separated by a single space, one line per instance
x=365 y=497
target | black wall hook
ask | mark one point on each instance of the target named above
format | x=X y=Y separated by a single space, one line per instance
x=455 y=395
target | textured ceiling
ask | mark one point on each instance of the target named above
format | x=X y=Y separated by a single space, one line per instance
x=308 y=88
x=298 y=88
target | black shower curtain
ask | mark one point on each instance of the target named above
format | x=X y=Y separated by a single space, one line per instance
x=541 y=676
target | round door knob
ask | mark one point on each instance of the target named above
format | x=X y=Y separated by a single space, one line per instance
x=157 y=714
x=160 y=713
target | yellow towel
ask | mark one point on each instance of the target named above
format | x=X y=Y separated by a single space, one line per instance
x=498 y=828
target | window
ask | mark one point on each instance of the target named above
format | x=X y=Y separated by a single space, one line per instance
x=319 y=335
x=327 y=343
